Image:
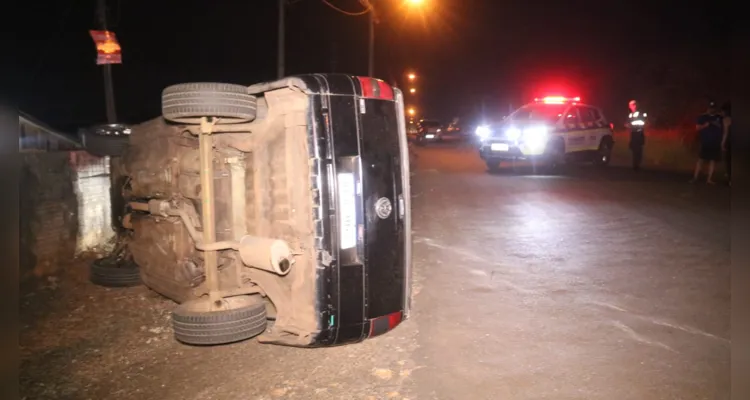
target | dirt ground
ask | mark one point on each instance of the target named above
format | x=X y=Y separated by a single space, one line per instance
x=592 y=285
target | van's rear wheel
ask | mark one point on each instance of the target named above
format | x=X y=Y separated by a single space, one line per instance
x=196 y=322
x=187 y=103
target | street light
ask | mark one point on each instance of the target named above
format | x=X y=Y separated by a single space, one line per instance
x=413 y=90
x=373 y=20
x=412 y=111
x=412 y=77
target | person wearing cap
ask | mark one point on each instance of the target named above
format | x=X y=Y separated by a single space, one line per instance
x=637 y=124
x=726 y=139
x=710 y=131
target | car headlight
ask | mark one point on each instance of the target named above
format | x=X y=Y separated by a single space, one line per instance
x=513 y=133
x=535 y=134
x=483 y=131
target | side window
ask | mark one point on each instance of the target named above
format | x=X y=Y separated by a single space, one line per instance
x=571 y=116
x=597 y=114
x=587 y=115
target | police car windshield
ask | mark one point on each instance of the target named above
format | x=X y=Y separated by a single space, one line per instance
x=539 y=112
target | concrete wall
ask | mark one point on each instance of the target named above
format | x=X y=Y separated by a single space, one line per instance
x=64 y=209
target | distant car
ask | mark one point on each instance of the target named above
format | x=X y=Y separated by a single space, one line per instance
x=454 y=130
x=429 y=131
x=553 y=130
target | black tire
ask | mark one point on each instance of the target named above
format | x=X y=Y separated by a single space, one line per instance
x=239 y=322
x=186 y=103
x=556 y=161
x=109 y=272
x=493 y=166
x=99 y=145
x=604 y=154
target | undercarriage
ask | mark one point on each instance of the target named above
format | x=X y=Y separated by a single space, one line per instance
x=222 y=212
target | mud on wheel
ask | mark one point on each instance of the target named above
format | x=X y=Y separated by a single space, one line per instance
x=239 y=318
x=187 y=103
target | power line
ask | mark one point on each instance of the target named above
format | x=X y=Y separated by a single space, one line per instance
x=351 y=14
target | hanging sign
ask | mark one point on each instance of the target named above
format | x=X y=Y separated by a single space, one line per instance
x=108 y=51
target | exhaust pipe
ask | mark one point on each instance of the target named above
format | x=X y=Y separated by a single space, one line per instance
x=270 y=255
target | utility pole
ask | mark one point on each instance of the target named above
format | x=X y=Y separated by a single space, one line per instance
x=109 y=91
x=371 y=47
x=282 y=30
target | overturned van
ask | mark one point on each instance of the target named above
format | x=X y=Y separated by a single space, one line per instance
x=279 y=210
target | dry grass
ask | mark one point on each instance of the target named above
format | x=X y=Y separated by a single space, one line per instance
x=669 y=149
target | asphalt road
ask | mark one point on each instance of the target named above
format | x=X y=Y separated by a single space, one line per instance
x=593 y=284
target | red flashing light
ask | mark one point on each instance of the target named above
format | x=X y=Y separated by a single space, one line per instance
x=557 y=100
x=375 y=88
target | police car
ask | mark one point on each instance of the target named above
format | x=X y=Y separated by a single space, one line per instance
x=553 y=129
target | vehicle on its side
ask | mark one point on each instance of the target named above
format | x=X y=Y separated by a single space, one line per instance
x=553 y=130
x=429 y=131
x=285 y=201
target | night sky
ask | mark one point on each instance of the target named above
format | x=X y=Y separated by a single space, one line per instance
x=465 y=51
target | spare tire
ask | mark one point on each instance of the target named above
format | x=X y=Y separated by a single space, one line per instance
x=101 y=146
x=187 y=103
x=111 y=272
x=241 y=317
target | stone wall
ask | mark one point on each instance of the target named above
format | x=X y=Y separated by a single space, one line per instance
x=64 y=209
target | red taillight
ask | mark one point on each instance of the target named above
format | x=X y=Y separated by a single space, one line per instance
x=394 y=319
x=375 y=88
x=611 y=126
x=381 y=325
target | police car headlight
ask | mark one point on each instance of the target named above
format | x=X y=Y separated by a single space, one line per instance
x=483 y=131
x=513 y=133
x=535 y=134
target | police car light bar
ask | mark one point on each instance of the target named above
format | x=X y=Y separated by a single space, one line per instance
x=557 y=99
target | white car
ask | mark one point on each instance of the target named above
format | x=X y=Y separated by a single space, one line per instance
x=553 y=129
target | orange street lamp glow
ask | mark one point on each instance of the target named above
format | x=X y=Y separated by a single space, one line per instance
x=412 y=111
x=412 y=90
x=412 y=77
x=415 y=2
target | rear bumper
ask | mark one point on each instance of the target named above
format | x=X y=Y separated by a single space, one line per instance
x=355 y=333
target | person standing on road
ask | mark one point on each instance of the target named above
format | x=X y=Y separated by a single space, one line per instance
x=726 y=139
x=709 y=126
x=636 y=124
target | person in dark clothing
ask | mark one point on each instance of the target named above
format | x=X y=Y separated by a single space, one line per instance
x=726 y=140
x=636 y=124
x=710 y=131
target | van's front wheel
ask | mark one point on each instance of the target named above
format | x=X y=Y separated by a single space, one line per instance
x=604 y=154
x=198 y=322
